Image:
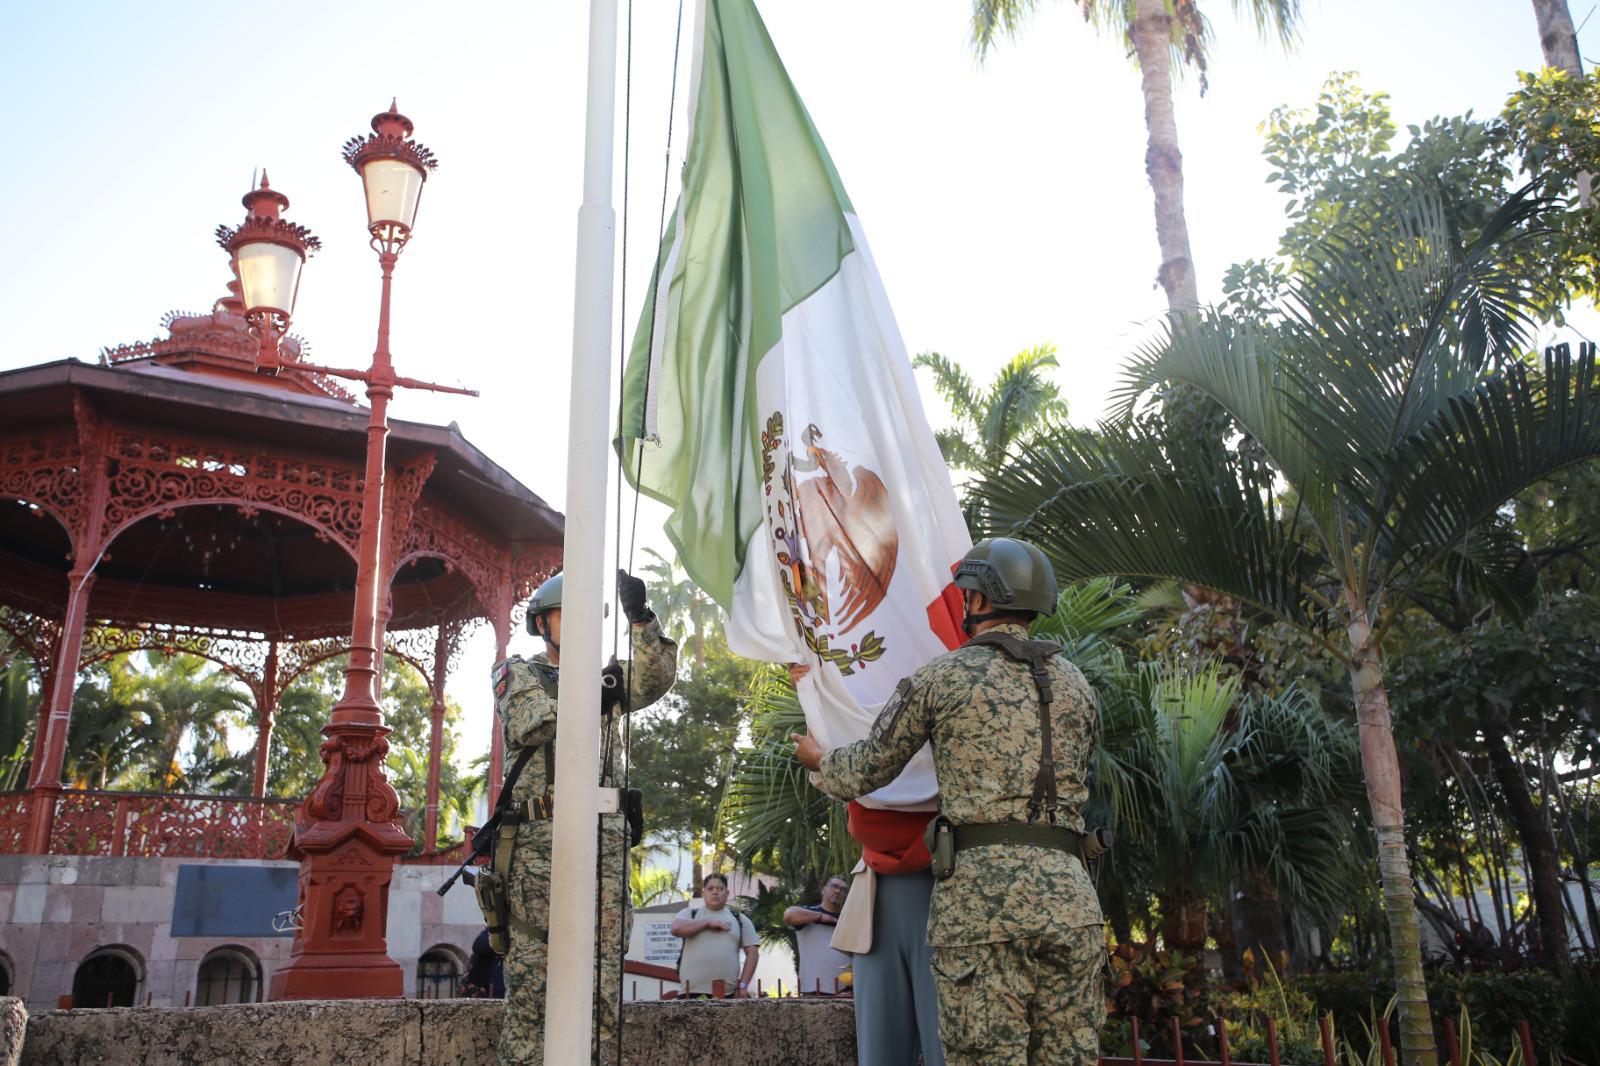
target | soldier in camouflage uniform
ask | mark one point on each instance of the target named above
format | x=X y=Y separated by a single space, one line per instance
x=1016 y=930
x=525 y=702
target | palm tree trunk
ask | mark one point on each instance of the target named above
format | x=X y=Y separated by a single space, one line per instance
x=1559 y=41
x=1151 y=31
x=1538 y=844
x=1380 y=765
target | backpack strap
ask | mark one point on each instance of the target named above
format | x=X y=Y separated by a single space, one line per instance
x=1037 y=654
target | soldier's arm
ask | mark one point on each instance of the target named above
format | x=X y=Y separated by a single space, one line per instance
x=899 y=732
x=654 y=666
x=528 y=711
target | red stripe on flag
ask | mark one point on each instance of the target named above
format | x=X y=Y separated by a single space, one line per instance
x=944 y=617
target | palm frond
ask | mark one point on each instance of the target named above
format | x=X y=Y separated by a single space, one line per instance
x=1021 y=396
x=993 y=19
x=1516 y=428
x=951 y=382
x=1121 y=502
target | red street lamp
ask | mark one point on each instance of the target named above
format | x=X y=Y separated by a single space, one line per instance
x=393 y=169
x=268 y=252
x=348 y=833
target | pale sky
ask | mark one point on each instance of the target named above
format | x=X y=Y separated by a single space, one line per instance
x=1006 y=203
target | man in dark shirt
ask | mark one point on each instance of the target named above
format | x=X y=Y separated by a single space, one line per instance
x=821 y=967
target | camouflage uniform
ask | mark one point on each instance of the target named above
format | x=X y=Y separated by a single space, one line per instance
x=528 y=718
x=1017 y=935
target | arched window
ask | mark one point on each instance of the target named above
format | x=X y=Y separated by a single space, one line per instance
x=438 y=974
x=227 y=975
x=109 y=977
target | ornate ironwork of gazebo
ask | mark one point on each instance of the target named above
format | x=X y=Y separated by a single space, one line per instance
x=171 y=498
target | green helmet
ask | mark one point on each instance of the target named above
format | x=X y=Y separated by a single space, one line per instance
x=1013 y=574
x=548 y=598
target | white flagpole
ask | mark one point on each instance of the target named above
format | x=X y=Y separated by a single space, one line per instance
x=569 y=986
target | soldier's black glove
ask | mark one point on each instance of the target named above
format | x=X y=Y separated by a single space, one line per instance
x=611 y=687
x=631 y=594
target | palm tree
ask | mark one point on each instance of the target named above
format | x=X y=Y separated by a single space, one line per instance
x=110 y=729
x=684 y=608
x=17 y=701
x=648 y=887
x=186 y=696
x=1385 y=415
x=1019 y=401
x=1559 y=41
x=1206 y=789
x=1157 y=32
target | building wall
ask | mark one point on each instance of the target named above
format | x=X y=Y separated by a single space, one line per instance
x=57 y=910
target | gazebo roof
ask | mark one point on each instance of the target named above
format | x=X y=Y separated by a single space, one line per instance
x=263 y=412
x=234 y=498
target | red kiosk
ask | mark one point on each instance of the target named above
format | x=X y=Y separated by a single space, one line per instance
x=174 y=497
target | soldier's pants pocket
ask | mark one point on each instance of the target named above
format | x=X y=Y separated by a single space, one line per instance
x=965 y=978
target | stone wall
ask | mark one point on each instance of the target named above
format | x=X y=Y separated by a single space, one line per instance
x=416 y=1032
x=56 y=910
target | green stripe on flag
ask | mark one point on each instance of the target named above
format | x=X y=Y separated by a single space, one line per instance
x=763 y=227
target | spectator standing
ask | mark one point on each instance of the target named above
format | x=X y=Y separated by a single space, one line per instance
x=715 y=937
x=821 y=965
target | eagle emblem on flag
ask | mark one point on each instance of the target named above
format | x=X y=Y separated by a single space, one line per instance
x=836 y=543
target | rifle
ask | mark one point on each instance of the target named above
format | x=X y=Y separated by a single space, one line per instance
x=483 y=839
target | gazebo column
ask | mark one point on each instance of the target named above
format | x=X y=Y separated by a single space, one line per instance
x=266 y=711
x=50 y=742
x=430 y=817
x=385 y=612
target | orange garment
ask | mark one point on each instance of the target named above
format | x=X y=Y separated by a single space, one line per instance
x=891 y=841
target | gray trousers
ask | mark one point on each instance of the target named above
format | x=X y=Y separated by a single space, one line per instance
x=897 y=1009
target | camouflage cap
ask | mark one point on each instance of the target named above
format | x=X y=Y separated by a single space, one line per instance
x=1013 y=574
x=547 y=598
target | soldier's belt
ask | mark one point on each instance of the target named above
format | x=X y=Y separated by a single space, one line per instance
x=535 y=809
x=542 y=808
x=981 y=834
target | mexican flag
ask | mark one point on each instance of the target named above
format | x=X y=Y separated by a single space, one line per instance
x=769 y=401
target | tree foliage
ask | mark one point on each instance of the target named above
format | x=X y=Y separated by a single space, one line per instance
x=1008 y=411
x=1386 y=415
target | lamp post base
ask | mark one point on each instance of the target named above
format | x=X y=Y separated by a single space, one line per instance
x=341 y=948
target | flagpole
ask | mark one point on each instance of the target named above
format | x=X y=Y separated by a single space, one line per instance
x=569 y=988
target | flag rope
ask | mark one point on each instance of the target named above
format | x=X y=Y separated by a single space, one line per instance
x=633 y=532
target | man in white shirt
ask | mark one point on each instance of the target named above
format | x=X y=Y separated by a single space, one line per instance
x=820 y=965
x=714 y=937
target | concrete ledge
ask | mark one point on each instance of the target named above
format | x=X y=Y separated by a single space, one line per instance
x=415 y=1032
x=13 y=1022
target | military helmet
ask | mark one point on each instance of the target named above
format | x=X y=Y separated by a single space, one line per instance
x=548 y=598
x=1013 y=574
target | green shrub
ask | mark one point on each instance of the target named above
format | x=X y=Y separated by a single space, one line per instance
x=1154 y=987
x=1582 y=1038
x=1354 y=997
x=1246 y=1011
x=1496 y=1001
